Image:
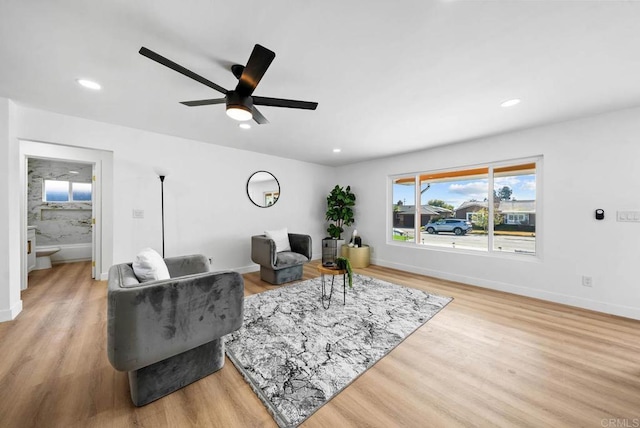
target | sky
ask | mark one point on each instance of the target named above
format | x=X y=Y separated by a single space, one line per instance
x=457 y=192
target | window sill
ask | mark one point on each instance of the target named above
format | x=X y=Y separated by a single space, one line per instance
x=521 y=257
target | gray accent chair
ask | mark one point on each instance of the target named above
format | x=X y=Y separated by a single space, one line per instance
x=285 y=266
x=168 y=333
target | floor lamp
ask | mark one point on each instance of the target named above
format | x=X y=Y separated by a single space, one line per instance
x=162 y=207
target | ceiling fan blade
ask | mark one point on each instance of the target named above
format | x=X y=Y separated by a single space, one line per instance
x=279 y=102
x=257 y=65
x=204 y=102
x=180 y=69
x=258 y=117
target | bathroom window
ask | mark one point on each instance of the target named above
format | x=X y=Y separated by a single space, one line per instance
x=66 y=191
x=81 y=191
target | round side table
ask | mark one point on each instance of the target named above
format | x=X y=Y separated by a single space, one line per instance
x=358 y=256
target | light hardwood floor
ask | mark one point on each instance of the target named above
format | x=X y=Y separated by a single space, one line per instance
x=488 y=359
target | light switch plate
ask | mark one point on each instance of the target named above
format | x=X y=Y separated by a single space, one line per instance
x=633 y=216
x=138 y=213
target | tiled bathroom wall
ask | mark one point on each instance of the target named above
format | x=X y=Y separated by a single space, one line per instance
x=58 y=223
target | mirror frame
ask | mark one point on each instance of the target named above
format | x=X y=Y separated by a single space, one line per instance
x=249 y=194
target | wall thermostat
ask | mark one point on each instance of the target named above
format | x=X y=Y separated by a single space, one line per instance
x=599 y=214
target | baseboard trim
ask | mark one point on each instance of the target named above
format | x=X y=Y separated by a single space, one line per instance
x=59 y=262
x=11 y=313
x=247 y=269
x=579 y=302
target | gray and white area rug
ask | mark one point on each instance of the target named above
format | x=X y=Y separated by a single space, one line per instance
x=296 y=355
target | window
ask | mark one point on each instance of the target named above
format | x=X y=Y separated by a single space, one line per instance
x=66 y=191
x=81 y=191
x=485 y=208
x=56 y=191
x=403 y=210
x=517 y=219
x=514 y=226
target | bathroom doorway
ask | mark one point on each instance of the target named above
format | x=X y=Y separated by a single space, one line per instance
x=60 y=211
x=78 y=226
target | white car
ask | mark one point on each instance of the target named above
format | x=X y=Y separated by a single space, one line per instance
x=454 y=225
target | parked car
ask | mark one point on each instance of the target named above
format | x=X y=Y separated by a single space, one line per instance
x=455 y=225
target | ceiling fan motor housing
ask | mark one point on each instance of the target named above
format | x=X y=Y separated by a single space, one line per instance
x=235 y=100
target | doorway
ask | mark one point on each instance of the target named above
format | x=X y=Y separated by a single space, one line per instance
x=60 y=210
x=63 y=158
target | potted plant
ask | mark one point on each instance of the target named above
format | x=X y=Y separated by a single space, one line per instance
x=339 y=210
x=343 y=263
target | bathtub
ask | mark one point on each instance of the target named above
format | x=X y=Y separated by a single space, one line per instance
x=71 y=253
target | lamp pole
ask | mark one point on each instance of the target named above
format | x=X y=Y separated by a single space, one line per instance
x=162 y=207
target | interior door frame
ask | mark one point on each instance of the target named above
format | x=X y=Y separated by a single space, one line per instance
x=102 y=161
x=95 y=205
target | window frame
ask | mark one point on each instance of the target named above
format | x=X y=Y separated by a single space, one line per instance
x=489 y=251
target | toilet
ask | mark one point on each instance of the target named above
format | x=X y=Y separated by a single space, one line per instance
x=43 y=257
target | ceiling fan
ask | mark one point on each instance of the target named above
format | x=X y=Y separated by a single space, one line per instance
x=241 y=104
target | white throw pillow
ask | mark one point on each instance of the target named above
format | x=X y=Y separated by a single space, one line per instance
x=149 y=266
x=281 y=238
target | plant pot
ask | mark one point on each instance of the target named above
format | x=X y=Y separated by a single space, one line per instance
x=331 y=248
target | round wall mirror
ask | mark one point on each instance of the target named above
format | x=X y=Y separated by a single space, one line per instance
x=263 y=189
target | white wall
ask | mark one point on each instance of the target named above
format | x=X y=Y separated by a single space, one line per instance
x=5 y=268
x=588 y=164
x=206 y=205
x=10 y=270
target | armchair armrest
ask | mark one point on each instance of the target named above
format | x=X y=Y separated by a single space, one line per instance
x=300 y=244
x=156 y=320
x=263 y=251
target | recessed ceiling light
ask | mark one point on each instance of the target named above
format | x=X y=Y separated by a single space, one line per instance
x=245 y=126
x=337 y=150
x=510 y=103
x=74 y=172
x=89 y=84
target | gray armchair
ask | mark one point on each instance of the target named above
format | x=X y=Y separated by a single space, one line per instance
x=168 y=333
x=285 y=266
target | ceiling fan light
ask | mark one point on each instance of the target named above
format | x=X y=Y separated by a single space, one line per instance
x=239 y=107
x=240 y=113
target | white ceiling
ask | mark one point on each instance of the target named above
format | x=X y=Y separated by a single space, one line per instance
x=389 y=77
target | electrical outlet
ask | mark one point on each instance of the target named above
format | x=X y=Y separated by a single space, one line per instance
x=587 y=281
x=138 y=213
